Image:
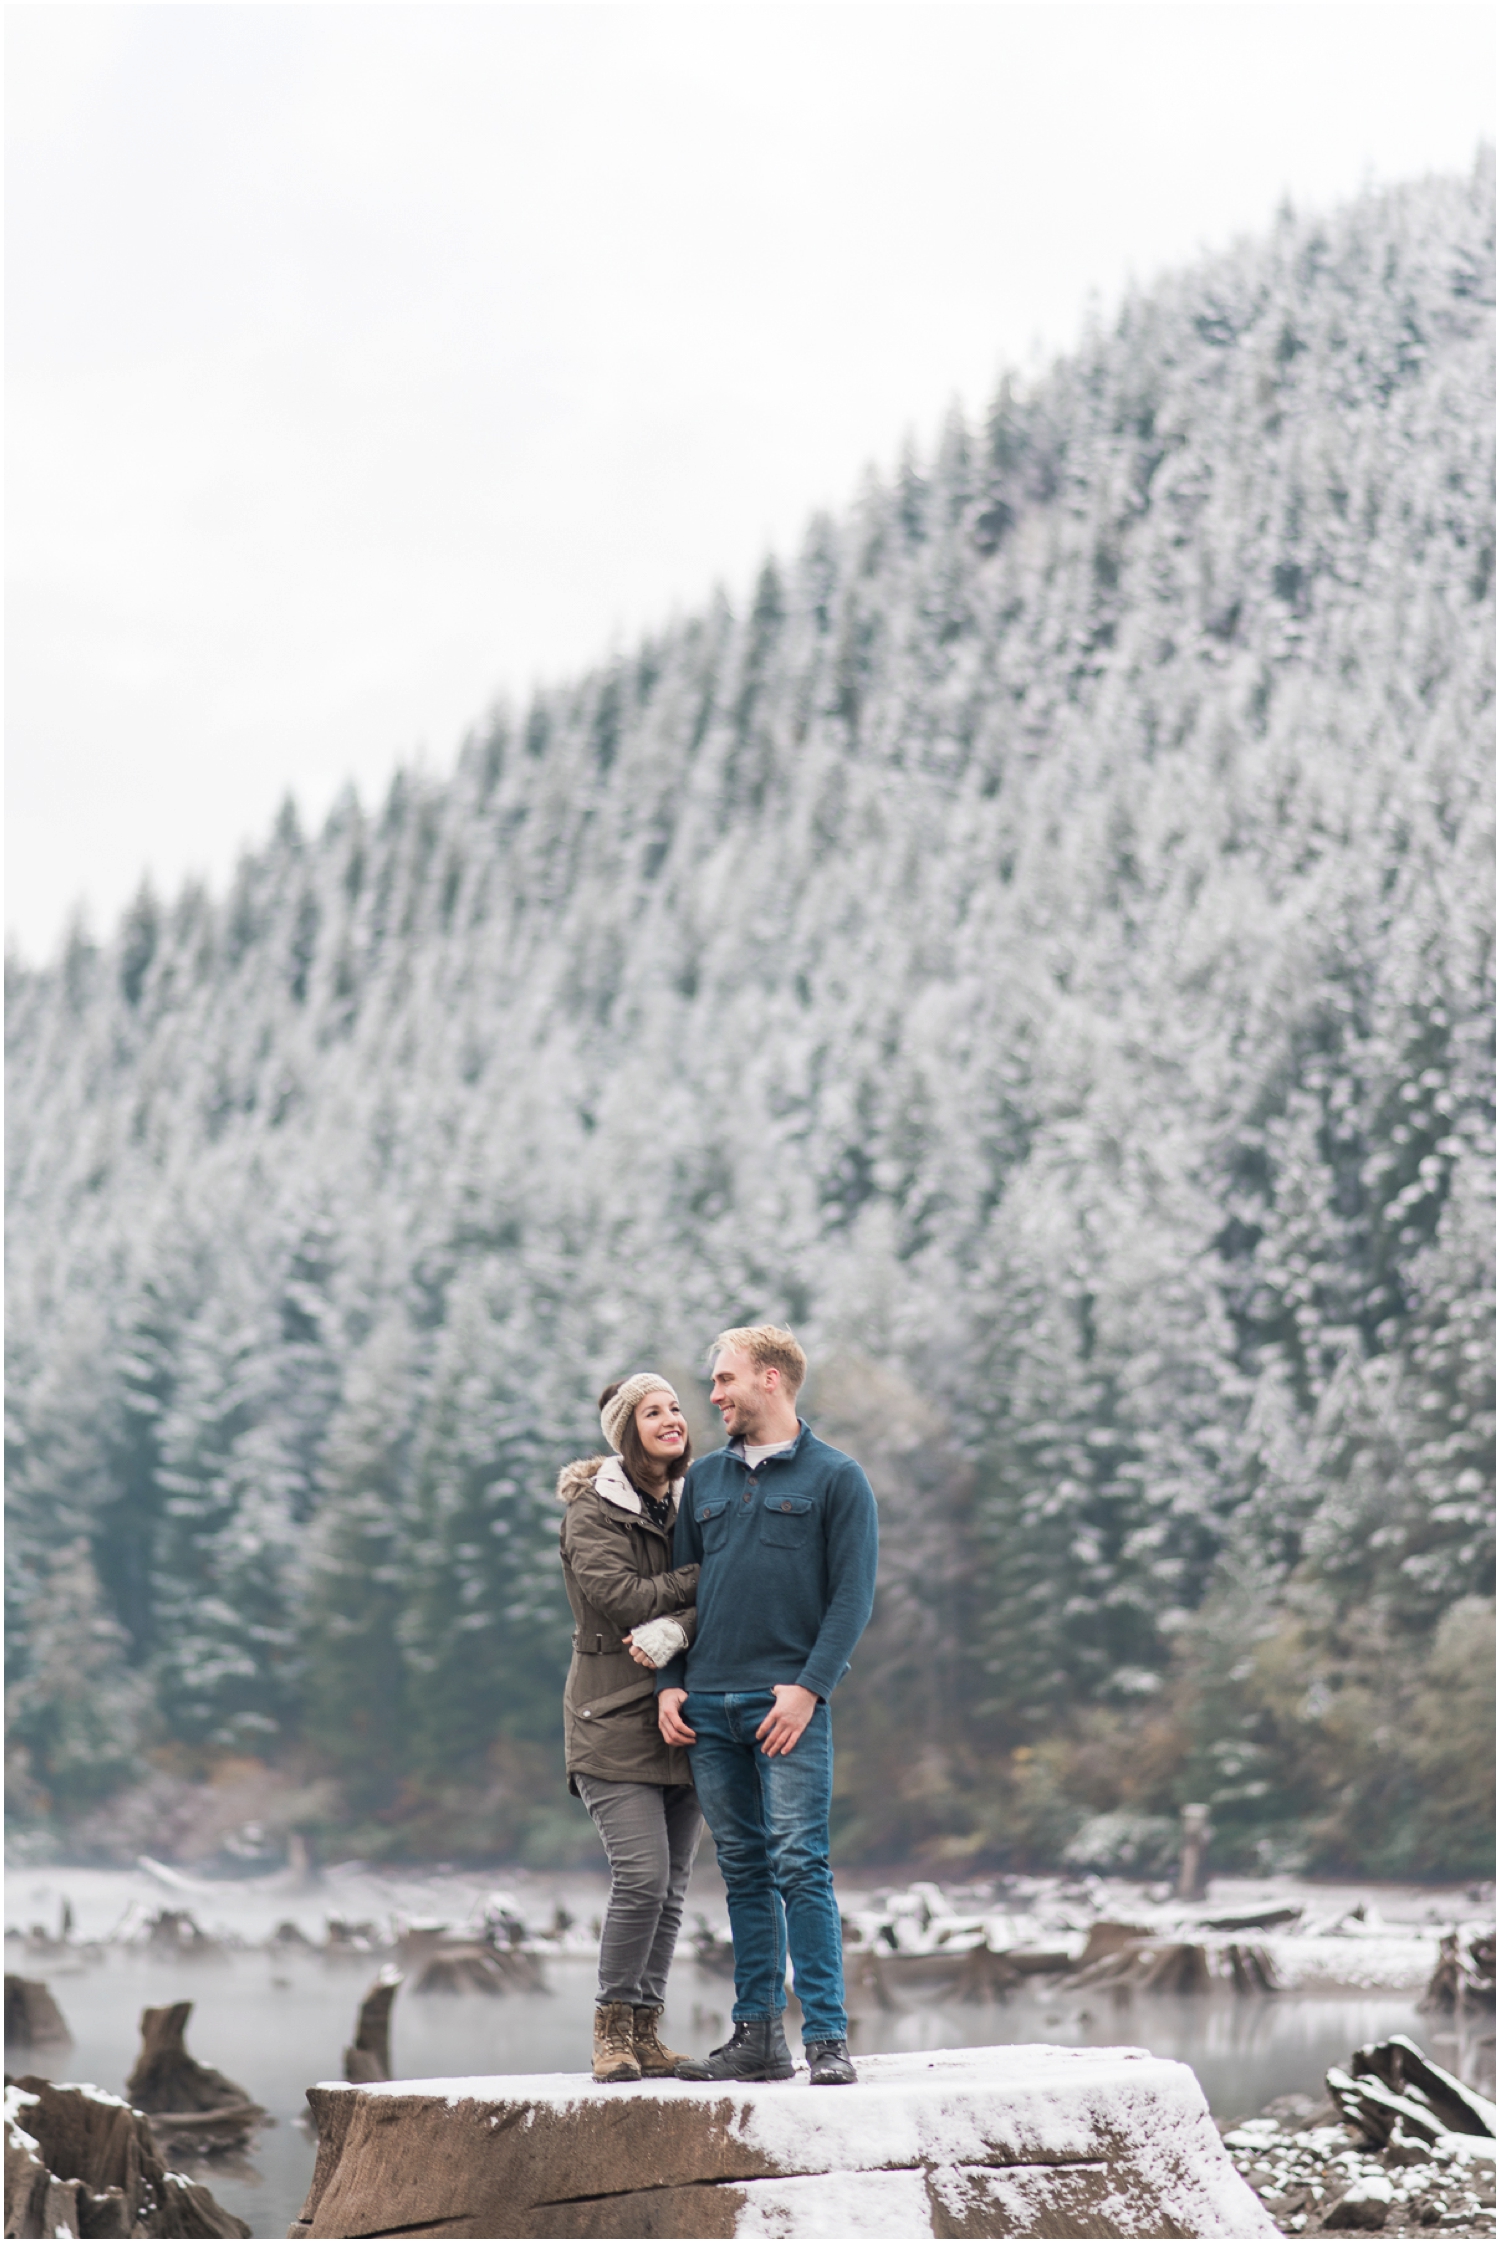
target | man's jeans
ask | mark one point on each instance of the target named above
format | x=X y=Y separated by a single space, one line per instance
x=769 y=1819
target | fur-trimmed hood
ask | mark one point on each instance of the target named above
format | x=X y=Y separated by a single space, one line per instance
x=606 y=1476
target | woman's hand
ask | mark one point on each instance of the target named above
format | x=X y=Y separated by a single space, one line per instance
x=669 y=1719
x=654 y=1642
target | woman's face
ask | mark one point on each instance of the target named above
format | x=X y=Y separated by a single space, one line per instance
x=661 y=1426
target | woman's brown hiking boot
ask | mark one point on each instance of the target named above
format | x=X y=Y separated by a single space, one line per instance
x=614 y=2042
x=656 y=2060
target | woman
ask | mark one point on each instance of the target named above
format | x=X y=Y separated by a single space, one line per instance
x=632 y=1612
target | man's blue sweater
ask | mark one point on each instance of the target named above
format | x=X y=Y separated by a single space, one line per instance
x=788 y=1556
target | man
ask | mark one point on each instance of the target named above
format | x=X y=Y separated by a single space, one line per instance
x=784 y=1530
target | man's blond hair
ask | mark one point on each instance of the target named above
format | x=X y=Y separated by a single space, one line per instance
x=770 y=1347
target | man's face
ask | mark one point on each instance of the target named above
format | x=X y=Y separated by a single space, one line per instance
x=741 y=1391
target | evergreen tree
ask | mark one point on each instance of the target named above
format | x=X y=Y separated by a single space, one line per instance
x=357 y=1576
x=484 y=1631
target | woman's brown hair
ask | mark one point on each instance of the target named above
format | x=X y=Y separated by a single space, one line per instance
x=632 y=1452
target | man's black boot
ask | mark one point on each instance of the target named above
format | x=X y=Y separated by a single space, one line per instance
x=829 y=2063
x=756 y=2050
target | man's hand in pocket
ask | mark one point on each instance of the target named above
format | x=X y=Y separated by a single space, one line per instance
x=784 y=1724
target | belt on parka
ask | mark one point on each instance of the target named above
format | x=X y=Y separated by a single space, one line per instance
x=600 y=1647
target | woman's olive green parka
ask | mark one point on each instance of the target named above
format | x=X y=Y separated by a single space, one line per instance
x=618 y=1570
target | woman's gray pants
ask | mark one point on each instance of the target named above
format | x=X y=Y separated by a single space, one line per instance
x=650 y=1834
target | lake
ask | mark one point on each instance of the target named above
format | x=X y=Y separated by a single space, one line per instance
x=278 y=2021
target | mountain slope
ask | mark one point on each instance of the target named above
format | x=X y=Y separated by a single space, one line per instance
x=1040 y=947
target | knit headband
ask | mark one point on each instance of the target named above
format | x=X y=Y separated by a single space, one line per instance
x=620 y=1408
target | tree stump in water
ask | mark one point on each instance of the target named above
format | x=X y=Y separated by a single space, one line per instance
x=1109 y=1937
x=1179 y=1969
x=191 y=2105
x=176 y=1931
x=473 y=1966
x=986 y=1976
x=1251 y=1968
x=865 y=1975
x=1172 y=1967
x=32 y=2017
x=80 y=2162
x=1192 y=1869
x=713 y=1953
x=1462 y=1981
x=368 y=2056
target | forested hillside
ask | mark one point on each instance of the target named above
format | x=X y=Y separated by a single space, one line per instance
x=1038 y=945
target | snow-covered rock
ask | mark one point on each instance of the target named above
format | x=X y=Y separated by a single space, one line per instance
x=990 y=2141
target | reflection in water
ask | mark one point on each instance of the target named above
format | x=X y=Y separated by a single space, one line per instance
x=1243 y=2050
x=279 y=2022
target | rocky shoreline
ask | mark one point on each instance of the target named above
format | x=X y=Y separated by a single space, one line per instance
x=1312 y=2177
x=1398 y=2147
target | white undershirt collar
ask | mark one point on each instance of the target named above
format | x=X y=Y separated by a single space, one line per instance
x=758 y=1455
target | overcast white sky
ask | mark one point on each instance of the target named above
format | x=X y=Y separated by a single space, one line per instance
x=368 y=362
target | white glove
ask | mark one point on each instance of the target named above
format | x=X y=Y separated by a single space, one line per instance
x=661 y=1640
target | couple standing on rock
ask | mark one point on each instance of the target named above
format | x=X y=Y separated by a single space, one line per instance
x=742 y=1585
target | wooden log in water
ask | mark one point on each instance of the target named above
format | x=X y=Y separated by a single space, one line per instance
x=1259 y=1919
